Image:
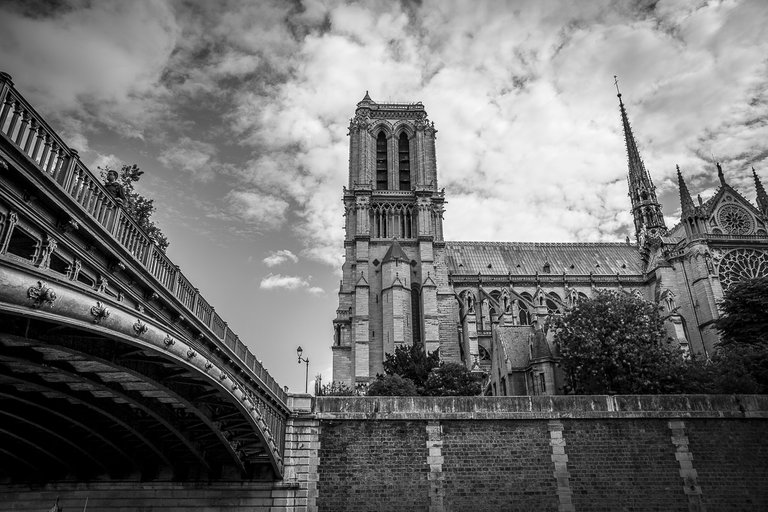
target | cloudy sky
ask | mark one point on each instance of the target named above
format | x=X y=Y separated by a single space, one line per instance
x=238 y=113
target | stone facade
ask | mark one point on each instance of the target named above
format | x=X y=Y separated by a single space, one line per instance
x=489 y=305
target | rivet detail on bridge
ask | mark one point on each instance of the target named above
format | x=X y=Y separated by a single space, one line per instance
x=140 y=328
x=42 y=295
x=100 y=312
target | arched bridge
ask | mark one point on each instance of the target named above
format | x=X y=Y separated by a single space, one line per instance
x=111 y=363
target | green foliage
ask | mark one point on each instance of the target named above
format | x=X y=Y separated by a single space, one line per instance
x=335 y=389
x=392 y=385
x=452 y=379
x=136 y=205
x=744 y=316
x=411 y=362
x=735 y=368
x=616 y=343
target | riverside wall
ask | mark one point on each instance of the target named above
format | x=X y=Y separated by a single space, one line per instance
x=561 y=453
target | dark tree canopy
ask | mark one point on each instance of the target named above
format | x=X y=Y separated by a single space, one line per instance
x=136 y=205
x=392 y=385
x=744 y=316
x=411 y=362
x=616 y=343
x=452 y=379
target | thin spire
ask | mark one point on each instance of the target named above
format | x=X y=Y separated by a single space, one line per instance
x=762 y=196
x=686 y=202
x=646 y=209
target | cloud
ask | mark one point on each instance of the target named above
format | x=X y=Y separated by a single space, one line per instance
x=99 y=62
x=280 y=257
x=263 y=211
x=191 y=156
x=279 y=281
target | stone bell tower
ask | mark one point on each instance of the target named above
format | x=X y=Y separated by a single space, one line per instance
x=394 y=240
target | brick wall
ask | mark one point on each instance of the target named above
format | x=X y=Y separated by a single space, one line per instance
x=564 y=453
x=377 y=465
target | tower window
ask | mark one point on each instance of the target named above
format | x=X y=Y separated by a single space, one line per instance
x=404 y=157
x=381 y=162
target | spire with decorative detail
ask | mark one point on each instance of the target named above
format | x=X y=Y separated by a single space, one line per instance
x=762 y=196
x=646 y=210
x=686 y=202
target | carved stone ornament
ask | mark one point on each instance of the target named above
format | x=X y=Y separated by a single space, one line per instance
x=168 y=341
x=223 y=376
x=99 y=312
x=102 y=284
x=208 y=365
x=42 y=295
x=48 y=248
x=191 y=354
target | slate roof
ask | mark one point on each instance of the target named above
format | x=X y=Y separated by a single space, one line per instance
x=527 y=258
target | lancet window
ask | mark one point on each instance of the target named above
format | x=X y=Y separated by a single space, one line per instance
x=393 y=220
x=404 y=157
x=381 y=161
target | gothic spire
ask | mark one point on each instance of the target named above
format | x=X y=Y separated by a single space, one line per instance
x=686 y=202
x=720 y=174
x=762 y=196
x=645 y=206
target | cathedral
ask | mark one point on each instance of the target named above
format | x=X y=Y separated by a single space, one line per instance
x=489 y=305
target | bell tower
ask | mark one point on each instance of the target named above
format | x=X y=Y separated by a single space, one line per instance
x=393 y=221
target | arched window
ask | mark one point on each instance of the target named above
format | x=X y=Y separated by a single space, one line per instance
x=416 y=313
x=381 y=162
x=404 y=157
x=525 y=315
x=552 y=302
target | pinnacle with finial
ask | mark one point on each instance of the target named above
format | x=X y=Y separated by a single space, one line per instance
x=686 y=202
x=762 y=196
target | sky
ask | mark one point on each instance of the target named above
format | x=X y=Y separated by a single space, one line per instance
x=237 y=111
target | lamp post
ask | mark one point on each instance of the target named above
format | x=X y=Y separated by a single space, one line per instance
x=299 y=351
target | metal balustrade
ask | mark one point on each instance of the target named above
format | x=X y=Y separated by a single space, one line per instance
x=25 y=129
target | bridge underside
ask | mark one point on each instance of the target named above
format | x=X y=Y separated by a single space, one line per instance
x=79 y=405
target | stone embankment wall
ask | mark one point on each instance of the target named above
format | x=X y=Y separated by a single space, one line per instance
x=542 y=453
x=562 y=453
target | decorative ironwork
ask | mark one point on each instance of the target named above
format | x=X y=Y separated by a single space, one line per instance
x=208 y=365
x=740 y=264
x=42 y=295
x=735 y=219
x=168 y=341
x=100 y=312
x=191 y=354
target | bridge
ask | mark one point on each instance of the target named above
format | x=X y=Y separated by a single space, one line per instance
x=112 y=365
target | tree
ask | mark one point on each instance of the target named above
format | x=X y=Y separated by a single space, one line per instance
x=136 y=205
x=744 y=316
x=616 y=343
x=452 y=379
x=412 y=362
x=392 y=385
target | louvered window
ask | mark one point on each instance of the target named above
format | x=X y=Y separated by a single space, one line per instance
x=404 y=157
x=381 y=162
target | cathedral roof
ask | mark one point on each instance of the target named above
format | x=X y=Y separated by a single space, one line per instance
x=529 y=258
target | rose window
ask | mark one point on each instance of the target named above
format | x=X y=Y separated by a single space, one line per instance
x=741 y=264
x=735 y=219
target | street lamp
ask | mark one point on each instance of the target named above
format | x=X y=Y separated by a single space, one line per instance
x=299 y=351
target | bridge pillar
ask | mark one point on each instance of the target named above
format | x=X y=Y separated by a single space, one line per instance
x=301 y=458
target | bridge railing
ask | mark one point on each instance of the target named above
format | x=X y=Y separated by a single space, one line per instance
x=21 y=125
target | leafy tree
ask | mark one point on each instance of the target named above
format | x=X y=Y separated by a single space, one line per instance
x=736 y=368
x=136 y=205
x=616 y=343
x=392 y=385
x=452 y=379
x=745 y=313
x=412 y=362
